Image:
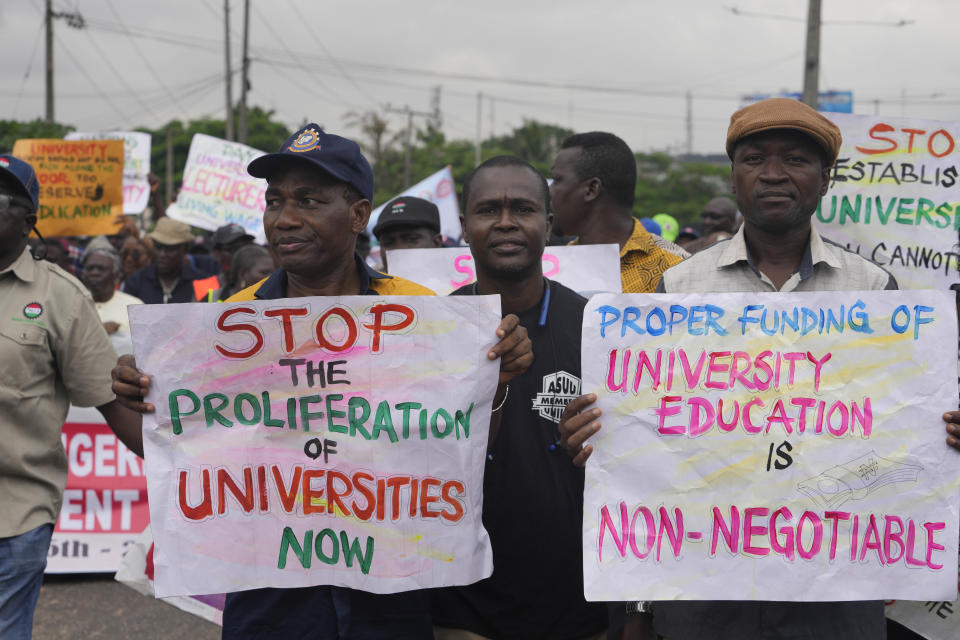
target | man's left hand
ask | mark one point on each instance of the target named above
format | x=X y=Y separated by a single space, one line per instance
x=952 y=418
x=514 y=349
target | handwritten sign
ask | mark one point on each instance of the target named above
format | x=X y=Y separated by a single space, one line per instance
x=105 y=502
x=136 y=164
x=770 y=446
x=81 y=184
x=583 y=268
x=318 y=441
x=439 y=190
x=217 y=189
x=894 y=197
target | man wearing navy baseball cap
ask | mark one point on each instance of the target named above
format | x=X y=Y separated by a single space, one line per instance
x=408 y=223
x=319 y=188
x=54 y=353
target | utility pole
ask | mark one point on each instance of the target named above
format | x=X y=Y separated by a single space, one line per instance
x=226 y=43
x=242 y=137
x=811 y=68
x=689 y=123
x=408 y=141
x=48 y=17
x=437 y=118
x=493 y=120
x=169 y=173
x=477 y=147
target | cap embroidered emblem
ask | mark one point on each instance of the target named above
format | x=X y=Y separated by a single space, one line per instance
x=4 y=162
x=33 y=310
x=308 y=140
x=398 y=208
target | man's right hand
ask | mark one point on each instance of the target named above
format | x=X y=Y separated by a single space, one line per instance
x=130 y=385
x=577 y=424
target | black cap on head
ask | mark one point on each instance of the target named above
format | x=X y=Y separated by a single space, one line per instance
x=408 y=211
x=338 y=156
x=230 y=233
x=23 y=177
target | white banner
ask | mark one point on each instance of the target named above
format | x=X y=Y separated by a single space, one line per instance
x=105 y=501
x=136 y=164
x=586 y=269
x=439 y=190
x=894 y=197
x=217 y=189
x=318 y=441
x=770 y=446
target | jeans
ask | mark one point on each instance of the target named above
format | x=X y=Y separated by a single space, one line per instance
x=22 y=561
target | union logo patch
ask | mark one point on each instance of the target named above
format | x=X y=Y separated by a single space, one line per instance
x=306 y=141
x=33 y=310
x=558 y=390
x=4 y=162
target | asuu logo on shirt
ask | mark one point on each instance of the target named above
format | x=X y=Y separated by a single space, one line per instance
x=558 y=390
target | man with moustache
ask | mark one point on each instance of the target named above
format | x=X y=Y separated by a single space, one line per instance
x=319 y=188
x=532 y=495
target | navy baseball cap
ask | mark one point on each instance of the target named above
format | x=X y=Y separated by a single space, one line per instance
x=407 y=211
x=338 y=156
x=24 y=177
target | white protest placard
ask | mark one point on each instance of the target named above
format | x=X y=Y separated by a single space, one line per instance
x=439 y=190
x=315 y=441
x=933 y=619
x=894 y=197
x=136 y=164
x=771 y=446
x=584 y=268
x=217 y=189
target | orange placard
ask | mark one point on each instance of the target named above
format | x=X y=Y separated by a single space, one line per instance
x=81 y=184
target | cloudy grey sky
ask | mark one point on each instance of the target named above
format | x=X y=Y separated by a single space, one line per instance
x=617 y=65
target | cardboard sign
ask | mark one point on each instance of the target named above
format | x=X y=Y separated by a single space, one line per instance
x=318 y=441
x=584 y=268
x=894 y=197
x=81 y=184
x=770 y=446
x=136 y=164
x=105 y=501
x=217 y=189
x=439 y=190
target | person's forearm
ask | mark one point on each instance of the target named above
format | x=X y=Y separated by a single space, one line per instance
x=126 y=424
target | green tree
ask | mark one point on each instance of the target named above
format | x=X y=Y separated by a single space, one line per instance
x=666 y=185
x=12 y=130
x=263 y=133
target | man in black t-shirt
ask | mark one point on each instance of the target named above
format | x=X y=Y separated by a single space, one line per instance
x=533 y=495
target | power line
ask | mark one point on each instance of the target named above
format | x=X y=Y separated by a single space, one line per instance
x=92 y=82
x=146 y=61
x=23 y=82
x=316 y=38
x=848 y=23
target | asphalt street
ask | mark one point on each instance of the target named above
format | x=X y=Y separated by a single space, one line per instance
x=97 y=606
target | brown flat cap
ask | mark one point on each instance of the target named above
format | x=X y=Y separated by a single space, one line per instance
x=784 y=113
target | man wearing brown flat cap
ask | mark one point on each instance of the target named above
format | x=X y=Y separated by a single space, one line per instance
x=781 y=152
x=171 y=277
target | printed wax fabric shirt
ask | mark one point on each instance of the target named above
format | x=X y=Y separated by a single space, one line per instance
x=54 y=352
x=325 y=611
x=644 y=258
x=728 y=267
x=532 y=498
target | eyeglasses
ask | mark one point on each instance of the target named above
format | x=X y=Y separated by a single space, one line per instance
x=8 y=201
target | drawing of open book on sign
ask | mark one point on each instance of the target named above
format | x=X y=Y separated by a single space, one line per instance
x=857 y=479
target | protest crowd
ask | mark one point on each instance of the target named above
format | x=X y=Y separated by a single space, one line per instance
x=67 y=340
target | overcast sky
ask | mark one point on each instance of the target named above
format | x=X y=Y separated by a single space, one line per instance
x=140 y=63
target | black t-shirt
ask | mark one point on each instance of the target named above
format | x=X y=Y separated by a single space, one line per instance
x=532 y=499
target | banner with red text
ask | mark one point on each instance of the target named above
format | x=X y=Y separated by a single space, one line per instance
x=136 y=164
x=439 y=190
x=105 y=503
x=771 y=446
x=81 y=184
x=584 y=268
x=894 y=197
x=217 y=189
x=317 y=441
